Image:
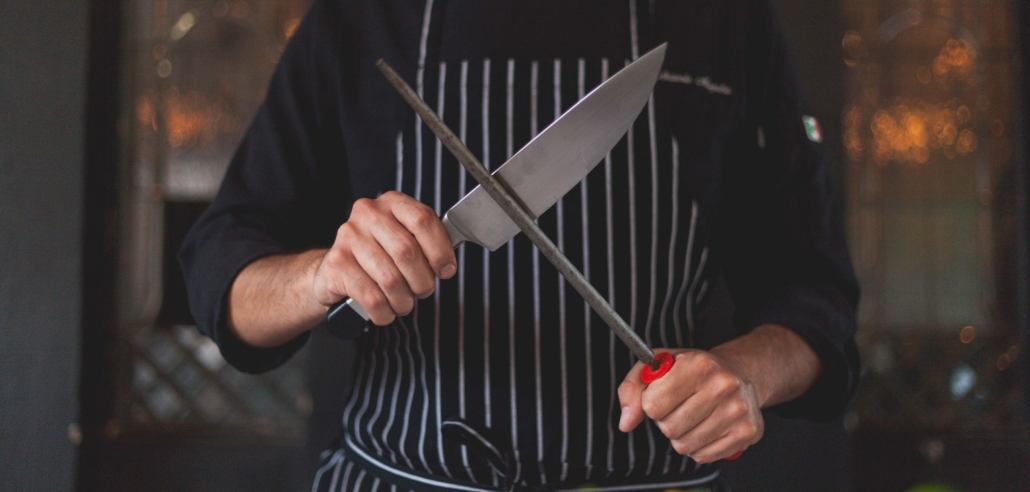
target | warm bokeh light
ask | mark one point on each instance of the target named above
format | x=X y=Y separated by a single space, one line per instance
x=183 y=26
x=955 y=58
x=190 y=119
x=967 y=334
x=911 y=131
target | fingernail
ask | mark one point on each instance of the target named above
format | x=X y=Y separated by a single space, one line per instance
x=448 y=270
x=624 y=417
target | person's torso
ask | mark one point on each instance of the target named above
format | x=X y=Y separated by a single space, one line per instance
x=507 y=345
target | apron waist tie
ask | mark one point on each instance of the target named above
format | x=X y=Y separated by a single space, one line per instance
x=500 y=457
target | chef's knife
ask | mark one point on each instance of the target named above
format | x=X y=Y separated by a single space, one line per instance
x=541 y=172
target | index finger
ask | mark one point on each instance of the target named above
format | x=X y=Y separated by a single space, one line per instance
x=681 y=382
x=428 y=230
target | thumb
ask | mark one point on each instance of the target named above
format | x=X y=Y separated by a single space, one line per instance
x=629 y=399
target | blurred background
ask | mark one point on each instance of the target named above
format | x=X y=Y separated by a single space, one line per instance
x=118 y=118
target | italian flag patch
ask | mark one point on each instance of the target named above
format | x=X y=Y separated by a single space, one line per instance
x=812 y=129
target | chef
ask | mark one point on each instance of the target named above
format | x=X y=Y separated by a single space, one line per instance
x=485 y=370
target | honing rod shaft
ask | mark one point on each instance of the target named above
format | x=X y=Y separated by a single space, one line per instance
x=500 y=193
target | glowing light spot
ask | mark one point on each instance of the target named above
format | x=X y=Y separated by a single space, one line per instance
x=967 y=334
x=854 y=48
x=1004 y=361
x=963 y=114
x=145 y=112
x=955 y=58
x=912 y=131
x=191 y=119
x=963 y=379
x=183 y=26
x=164 y=68
x=966 y=142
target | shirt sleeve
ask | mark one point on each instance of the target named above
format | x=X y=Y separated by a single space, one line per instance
x=273 y=198
x=786 y=259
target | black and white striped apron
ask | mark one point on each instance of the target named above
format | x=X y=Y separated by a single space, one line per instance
x=506 y=346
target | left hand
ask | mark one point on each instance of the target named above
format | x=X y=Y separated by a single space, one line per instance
x=705 y=405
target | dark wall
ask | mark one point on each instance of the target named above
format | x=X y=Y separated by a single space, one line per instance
x=42 y=92
x=1022 y=37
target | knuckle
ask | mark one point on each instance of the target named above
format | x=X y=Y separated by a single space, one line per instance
x=345 y=233
x=423 y=220
x=709 y=437
x=751 y=431
x=665 y=427
x=748 y=432
x=405 y=251
x=362 y=206
x=706 y=362
x=649 y=407
x=736 y=408
x=373 y=300
x=681 y=447
x=391 y=280
x=726 y=382
x=332 y=260
x=335 y=266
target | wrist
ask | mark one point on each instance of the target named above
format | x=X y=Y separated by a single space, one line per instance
x=742 y=363
x=775 y=360
x=310 y=262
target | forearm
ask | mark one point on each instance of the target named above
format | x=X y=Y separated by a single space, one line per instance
x=271 y=300
x=776 y=360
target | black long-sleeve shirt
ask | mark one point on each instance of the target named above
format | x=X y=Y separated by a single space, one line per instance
x=718 y=174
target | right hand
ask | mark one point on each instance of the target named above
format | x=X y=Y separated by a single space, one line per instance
x=389 y=252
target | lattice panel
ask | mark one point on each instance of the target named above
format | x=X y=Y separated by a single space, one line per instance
x=923 y=382
x=179 y=377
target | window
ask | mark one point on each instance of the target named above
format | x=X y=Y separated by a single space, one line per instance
x=931 y=194
x=197 y=72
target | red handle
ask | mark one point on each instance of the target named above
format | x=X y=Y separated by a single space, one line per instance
x=665 y=362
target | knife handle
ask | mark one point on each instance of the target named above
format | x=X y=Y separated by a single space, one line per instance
x=347 y=320
x=665 y=362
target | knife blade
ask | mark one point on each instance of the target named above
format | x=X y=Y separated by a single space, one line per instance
x=543 y=171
